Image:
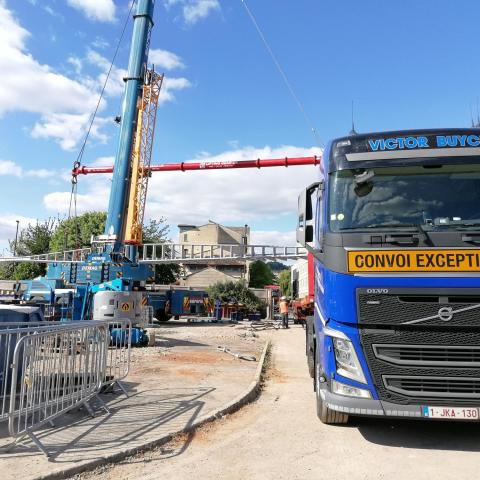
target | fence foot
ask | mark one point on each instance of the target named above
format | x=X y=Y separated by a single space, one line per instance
x=89 y=409
x=122 y=388
x=38 y=443
x=102 y=404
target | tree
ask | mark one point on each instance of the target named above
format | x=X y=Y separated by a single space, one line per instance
x=33 y=240
x=277 y=267
x=260 y=275
x=76 y=232
x=235 y=291
x=284 y=282
x=156 y=231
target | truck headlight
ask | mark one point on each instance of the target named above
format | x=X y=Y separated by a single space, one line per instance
x=348 y=364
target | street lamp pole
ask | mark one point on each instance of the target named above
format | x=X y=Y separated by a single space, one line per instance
x=16 y=238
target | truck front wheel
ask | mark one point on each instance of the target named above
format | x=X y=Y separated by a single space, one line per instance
x=325 y=414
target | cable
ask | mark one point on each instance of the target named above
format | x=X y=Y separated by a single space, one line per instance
x=105 y=82
x=78 y=161
x=300 y=105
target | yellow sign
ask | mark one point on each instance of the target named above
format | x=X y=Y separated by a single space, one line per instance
x=366 y=261
x=186 y=303
x=144 y=301
x=125 y=307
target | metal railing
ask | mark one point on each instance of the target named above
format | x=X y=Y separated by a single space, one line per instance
x=49 y=368
x=10 y=335
x=118 y=355
x=179 y=253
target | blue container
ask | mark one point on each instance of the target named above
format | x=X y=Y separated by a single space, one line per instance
x=20 y=314
x=119 y=337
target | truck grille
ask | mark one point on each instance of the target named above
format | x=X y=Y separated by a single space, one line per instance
x=444 y=387
x=423 y=354
x=426 y=307
x=428 y=355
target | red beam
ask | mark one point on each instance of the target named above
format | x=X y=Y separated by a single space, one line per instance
x=184 y=166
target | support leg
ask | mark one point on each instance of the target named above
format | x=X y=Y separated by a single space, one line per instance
x=38 y=443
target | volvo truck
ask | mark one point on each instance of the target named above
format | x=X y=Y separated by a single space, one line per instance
x=393 y=223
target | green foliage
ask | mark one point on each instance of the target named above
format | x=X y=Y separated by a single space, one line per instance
x=285 y=283
x=76 y=232
x=32 y=240
x=68 y=234
x=277 y=267
x=260 y=275
x=26 y=271
x=156 y=231
x=235 y=291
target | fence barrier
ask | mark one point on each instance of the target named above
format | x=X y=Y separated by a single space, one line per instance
x=49 y=368
x=118 y=355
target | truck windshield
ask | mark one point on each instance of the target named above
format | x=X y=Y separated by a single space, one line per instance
x=442 y=196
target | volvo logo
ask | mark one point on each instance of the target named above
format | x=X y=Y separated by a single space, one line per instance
x=445 y=314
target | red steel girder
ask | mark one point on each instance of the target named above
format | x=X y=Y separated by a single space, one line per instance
x=219 y=165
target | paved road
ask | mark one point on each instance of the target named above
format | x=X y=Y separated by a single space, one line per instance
x=280 y=437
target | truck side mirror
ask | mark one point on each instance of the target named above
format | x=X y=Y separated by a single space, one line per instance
x=305 y=228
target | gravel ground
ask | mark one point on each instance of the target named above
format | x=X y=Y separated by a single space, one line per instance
x=280 y=437
x=182 y=378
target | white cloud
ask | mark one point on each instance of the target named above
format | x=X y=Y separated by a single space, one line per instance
x=8 y=227
x=273 y=237
x=197 y=10
x=40 y=173
x=100 y=43
x=76 y=63
x=7 y=167
x=115 y=85
x=69 y=129
x=30 y=86
x=18 y=91
x=227 y=196
x=163 y=59
x=101 y=10
x=170 y=84
x=194 y=10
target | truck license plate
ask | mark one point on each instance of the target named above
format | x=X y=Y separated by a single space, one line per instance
x=451 y=413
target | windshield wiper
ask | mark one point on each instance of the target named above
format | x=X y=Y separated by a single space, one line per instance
x=426 y=235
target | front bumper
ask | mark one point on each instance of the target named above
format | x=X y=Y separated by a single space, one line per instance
x=369 y=407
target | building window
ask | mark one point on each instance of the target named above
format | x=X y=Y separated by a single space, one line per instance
x=185 y=237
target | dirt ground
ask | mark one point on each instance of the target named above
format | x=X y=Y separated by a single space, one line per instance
x=180 y=380
x=280 y=437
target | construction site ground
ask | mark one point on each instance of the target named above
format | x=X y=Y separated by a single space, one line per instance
x=279 y=437
x=177 y=382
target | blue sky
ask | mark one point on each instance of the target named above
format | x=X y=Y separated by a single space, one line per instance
x=405 y=64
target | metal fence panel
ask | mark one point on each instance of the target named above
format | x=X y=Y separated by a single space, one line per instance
x=54 y=370
x=118 y=354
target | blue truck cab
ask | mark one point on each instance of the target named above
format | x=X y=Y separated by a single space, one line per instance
x=393 y=223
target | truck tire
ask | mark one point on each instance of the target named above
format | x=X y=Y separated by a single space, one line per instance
x=325 y=414
x=161 y=316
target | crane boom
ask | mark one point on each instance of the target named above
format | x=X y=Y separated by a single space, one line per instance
x=121 y=182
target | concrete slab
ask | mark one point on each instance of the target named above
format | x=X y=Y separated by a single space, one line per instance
x=184 y=378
